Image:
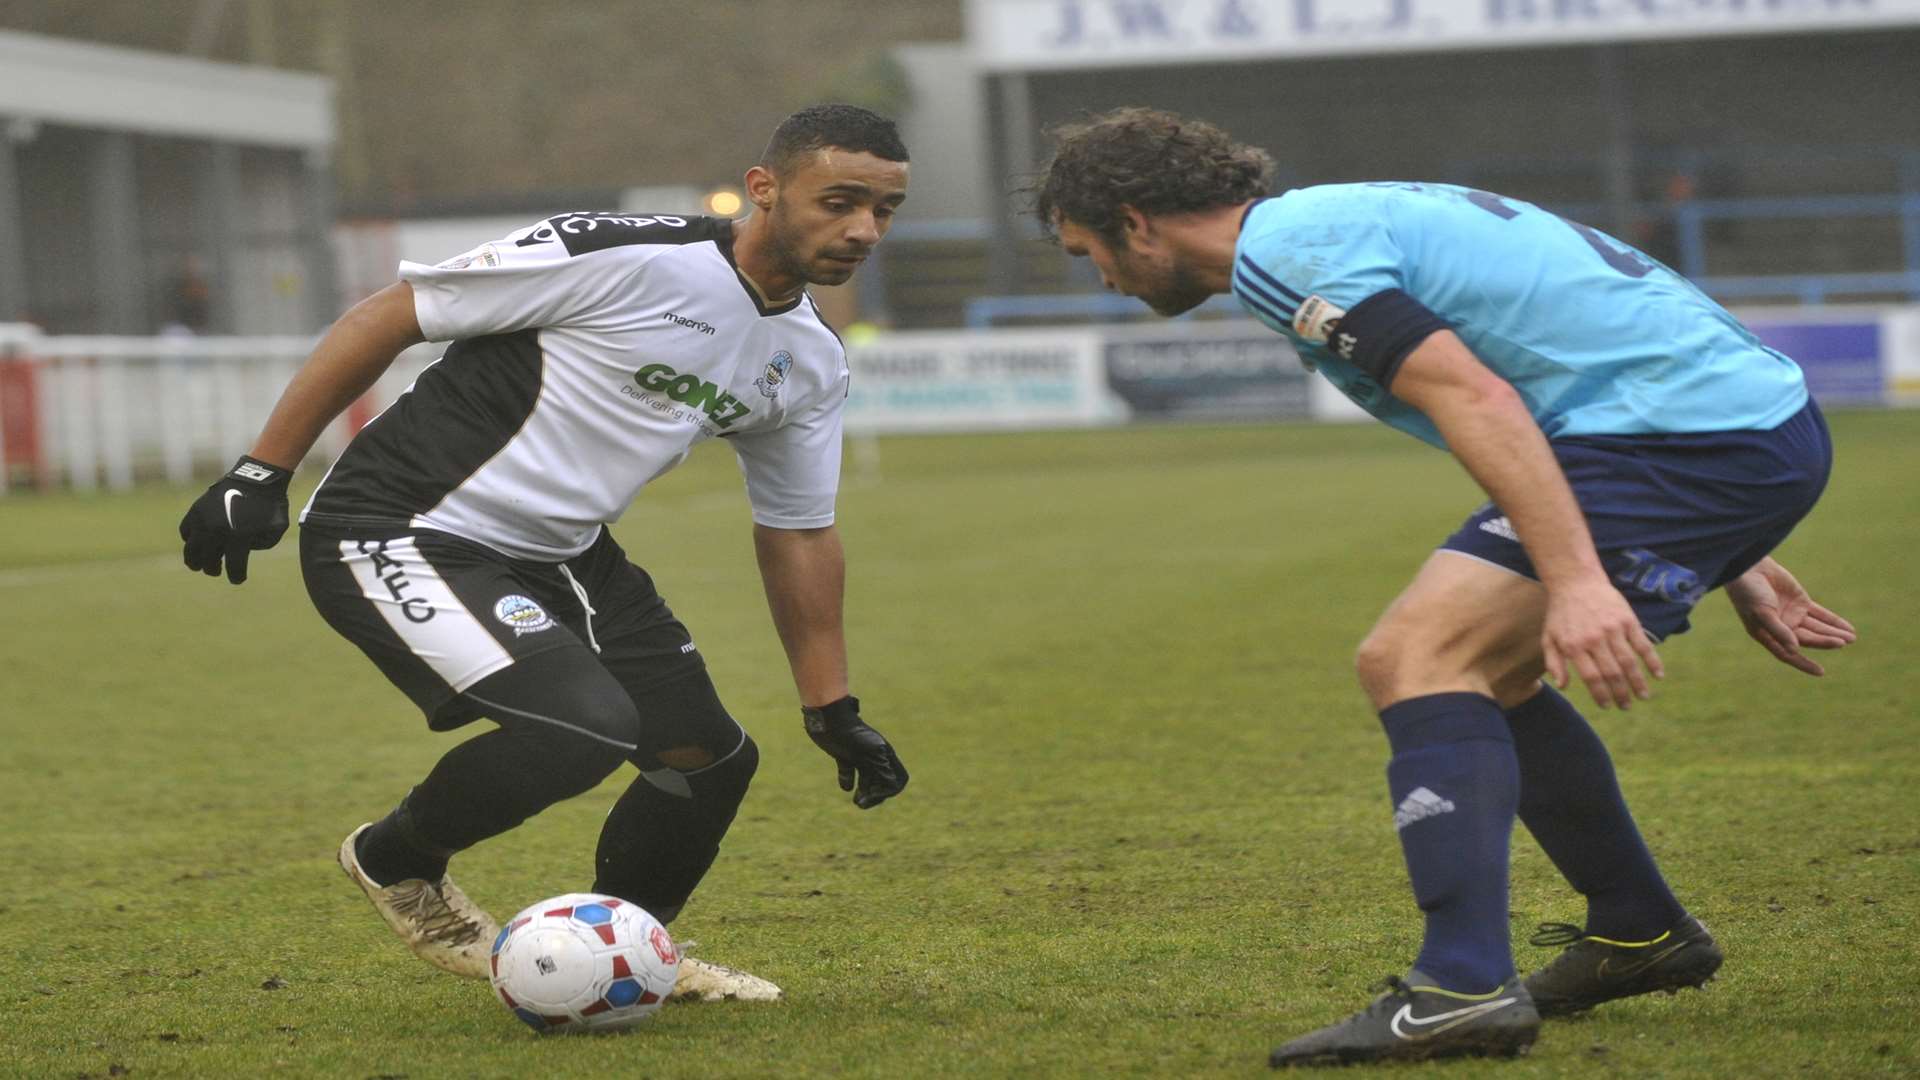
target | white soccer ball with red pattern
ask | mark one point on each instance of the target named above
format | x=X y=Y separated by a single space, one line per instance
x=583 y=962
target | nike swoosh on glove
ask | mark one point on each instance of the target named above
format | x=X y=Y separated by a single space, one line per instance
x=243 y=512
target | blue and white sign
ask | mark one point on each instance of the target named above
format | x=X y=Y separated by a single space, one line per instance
x=1844 y=358
x=1039 y=35
x=1022 y=379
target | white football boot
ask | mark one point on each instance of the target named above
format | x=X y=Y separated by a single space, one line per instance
x=703 y=981
x=436 y=919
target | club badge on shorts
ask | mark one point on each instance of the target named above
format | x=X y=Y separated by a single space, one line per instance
x=525 y=616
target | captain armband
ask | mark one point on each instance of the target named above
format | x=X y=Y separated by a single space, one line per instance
x=1377 y=333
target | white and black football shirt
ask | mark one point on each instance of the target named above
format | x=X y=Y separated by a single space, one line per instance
x=589 y=353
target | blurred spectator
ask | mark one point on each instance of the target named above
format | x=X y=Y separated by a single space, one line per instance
x=1660 y=236
x=189 y=302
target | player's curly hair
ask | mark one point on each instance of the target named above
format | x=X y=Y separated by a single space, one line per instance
x=1155 y=161
x=842 y=127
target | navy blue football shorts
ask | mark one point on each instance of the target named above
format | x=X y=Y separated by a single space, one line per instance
x=1676 y=516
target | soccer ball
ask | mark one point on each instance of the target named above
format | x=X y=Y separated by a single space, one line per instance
x=583 y=962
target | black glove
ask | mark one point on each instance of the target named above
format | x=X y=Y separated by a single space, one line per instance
x=245 y=511
x=861 y=751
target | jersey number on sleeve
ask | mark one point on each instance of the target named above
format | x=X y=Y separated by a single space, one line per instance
x=1626 y=262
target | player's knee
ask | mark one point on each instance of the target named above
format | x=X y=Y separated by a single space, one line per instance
x=721 y=786
x=1378 y=664
x=692 y=772
x=685 y=758
x=1519 y=685
x=1409 y=657
x=732 y=775
x=750 y=755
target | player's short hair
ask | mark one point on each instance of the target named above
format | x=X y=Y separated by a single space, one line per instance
x=842 y=127
x=1155 y=161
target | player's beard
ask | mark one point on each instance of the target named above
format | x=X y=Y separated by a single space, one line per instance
x=1168 y=286
x=788 y=245
x=784 y=246
x=1176 y=290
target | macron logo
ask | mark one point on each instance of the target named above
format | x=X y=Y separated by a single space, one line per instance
x=691 y=324
x=1419 y=805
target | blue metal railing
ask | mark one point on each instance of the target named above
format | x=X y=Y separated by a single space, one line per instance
x=1690 y=220
x=1810 y=289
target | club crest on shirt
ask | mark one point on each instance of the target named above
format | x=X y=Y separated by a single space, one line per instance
x=771 y=380
x=525 y=616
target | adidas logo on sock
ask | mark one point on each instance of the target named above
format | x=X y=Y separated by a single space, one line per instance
x=1418 y=805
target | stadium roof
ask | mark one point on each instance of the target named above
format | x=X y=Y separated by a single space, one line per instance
x=79 y=84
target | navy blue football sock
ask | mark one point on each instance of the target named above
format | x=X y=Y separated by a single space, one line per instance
x=1455 y=785
x=1570 y=801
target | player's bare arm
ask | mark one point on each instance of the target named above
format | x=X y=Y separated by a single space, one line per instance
x=360 y=346
x=1778 y=613
x=804 y=571
x=246 y=510
x=1590 y=628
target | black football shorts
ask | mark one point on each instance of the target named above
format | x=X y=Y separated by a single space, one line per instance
x=438 y=614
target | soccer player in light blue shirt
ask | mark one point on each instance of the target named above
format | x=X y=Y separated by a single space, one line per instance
x=1612 y=342
x=1639 y=447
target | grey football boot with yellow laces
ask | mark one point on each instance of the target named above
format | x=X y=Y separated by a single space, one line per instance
x=1594 y=970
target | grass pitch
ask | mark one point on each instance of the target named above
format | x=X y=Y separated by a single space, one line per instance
x=1147 y=832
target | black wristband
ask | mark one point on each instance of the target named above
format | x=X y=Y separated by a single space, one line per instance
x=846 y=710
x=254 y=471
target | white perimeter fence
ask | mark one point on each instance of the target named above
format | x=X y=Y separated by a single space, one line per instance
x=89 y=412
x=83 y=412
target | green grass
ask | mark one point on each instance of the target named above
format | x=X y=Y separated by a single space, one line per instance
x=1147 y=833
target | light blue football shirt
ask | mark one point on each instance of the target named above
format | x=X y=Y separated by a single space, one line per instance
x=1597 y=337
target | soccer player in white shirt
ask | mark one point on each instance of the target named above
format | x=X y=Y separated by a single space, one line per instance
x=460 y=541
